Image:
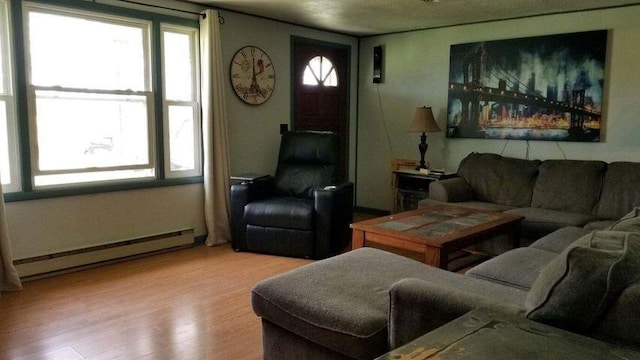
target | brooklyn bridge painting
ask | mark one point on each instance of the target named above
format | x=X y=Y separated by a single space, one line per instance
x=536 y=88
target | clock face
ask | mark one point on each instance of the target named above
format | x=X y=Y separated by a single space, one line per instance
x=252 y=75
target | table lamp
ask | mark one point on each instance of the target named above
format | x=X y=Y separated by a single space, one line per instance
x=424 y=122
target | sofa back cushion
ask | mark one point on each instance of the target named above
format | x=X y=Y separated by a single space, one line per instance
x=498 y=179
x=578 y=287
x=568 y=185
x=620 y=190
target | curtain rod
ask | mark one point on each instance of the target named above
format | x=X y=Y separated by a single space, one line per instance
x=220 y=18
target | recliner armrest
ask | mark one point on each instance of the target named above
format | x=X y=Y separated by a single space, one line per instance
x=417 y=307
x=451 y=190
x=334 y=212
x=240 y=196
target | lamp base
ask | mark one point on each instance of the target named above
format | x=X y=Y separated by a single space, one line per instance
x=422 y=147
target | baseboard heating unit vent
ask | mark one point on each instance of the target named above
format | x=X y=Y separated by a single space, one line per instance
x=53 y=264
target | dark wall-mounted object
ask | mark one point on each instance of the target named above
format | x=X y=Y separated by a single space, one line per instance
x=284 y=128
x=377 y=64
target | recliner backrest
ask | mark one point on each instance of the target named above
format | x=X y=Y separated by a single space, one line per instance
x=308 y=160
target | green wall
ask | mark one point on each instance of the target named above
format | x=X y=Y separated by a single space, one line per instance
x=416 y=68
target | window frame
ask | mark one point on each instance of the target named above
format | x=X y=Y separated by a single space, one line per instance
x=194 y=103
x=25 y=110
x=7 y=94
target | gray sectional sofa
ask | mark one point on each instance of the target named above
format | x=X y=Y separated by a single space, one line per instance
x=550 y=194
x=362 y=303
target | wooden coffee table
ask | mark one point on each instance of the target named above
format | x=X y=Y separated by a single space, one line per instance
x=437 y=231
x=484 y=334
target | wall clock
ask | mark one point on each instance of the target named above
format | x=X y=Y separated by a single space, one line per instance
x=252 y=75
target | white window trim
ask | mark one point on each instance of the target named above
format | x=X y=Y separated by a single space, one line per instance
x=194 y=103
x=144 y=25
x=7 y=95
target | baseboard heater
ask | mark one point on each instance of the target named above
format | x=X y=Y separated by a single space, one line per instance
x=73 y=260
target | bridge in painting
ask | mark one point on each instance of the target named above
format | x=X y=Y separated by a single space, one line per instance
x=472 y=93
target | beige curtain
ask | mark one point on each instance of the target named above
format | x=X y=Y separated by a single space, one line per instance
x=214 y=131
x=8 y=274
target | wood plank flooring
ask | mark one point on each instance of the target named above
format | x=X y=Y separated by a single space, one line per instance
x=186 y=304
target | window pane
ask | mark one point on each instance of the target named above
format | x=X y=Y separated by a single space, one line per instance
x=181 y=138
x=178 y=66
x=327 y=66
x=308 y=78
x=332 y=79
x=315 y=65
x=5 y=168
x=78 y=130
x=85 y=53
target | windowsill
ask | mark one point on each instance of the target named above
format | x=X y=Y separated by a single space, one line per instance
x=99 y=188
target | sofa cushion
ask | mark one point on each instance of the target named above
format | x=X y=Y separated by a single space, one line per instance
x=620 y=190
x=629 y=222
x=621 y=324
x=599 y=225
x=501 y=269
x=579 y=286
x=560 y=239
x=568 y=185
x=539 y=222
x=482 y=205
x=500 y=180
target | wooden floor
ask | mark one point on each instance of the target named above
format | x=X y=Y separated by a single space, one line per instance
x=185 y=304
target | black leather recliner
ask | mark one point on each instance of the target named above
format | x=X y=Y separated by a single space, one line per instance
x=301 y=211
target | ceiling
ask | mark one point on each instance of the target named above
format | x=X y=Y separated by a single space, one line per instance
x=373 y=17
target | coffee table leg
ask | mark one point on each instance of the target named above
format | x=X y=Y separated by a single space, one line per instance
x=513 y=236
x=357 y=239
x=435 y=257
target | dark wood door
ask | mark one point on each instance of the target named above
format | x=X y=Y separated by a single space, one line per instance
x=321 y=91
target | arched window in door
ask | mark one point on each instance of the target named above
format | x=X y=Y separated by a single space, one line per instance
x=320 y=72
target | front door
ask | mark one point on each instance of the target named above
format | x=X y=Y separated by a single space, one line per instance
x=320 y=91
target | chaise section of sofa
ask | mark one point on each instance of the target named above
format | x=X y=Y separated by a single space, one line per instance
x=338 y=308
x=360 y=304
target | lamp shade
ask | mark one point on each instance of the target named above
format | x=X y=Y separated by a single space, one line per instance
x=423 y=121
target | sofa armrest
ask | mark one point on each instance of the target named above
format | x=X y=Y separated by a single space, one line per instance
x=451 y=190
x=418 y=307
x=334 y=212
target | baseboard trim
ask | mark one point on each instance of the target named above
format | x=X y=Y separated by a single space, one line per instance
x=74 y=260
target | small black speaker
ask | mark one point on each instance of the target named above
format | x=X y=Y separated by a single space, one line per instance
x=377 y=64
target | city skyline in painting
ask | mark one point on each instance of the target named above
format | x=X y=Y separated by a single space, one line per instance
x=536 y=88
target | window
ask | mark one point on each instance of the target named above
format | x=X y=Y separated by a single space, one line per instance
x=180 y=101
x=320 y=71
x=8 y=135
x=92 y=108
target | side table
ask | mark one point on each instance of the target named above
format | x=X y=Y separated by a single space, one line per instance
x=411 y=186
x=247 y=177
x=487 y=335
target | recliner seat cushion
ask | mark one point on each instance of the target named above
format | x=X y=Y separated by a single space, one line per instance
x=281 y=212
x=498 y=179
x=579 y=286
x=568 y=185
